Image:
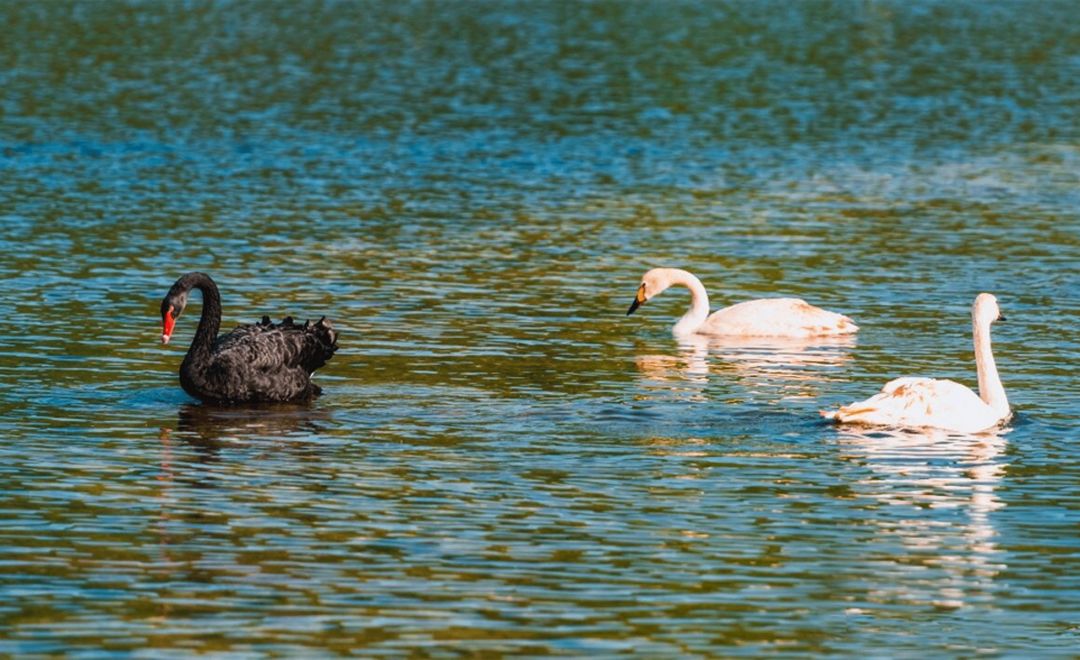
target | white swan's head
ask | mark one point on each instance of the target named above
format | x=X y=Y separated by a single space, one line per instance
x=653 y=283
x=985 y=310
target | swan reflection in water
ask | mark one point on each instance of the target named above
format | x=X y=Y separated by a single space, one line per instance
x=785 y=367
x=209 y=429
x=937 y=493
x=195 y=471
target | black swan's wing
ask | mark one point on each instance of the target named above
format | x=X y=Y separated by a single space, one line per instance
x=270 y=362
x=286 y=344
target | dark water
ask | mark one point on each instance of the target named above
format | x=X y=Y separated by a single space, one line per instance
x=503 y=462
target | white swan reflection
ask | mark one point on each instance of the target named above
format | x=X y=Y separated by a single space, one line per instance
x=937 y=491
x=781 y=366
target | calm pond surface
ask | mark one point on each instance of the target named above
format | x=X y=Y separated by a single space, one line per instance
x=503 y=462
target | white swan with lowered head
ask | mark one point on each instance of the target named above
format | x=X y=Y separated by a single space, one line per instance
x=767 y=317
x=942 y=404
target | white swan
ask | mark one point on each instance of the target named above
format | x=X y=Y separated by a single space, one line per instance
x=942 y=404
x=767 y=317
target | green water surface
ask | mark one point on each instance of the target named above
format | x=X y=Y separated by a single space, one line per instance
x=503 y=463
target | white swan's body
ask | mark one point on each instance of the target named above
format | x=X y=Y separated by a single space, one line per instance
x=941 y=404
x=768 y=317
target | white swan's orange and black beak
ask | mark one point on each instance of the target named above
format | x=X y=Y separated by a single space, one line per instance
x=638 y=299
x=168 y=320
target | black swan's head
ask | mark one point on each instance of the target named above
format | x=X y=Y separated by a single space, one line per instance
x=172 y=306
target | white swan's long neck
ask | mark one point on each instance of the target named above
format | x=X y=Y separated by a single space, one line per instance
x=990 y=388
x=699 y=303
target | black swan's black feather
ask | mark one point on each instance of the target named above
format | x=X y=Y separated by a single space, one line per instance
x=263 y=362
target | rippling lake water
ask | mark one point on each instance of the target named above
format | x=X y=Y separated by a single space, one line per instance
x=502 y=461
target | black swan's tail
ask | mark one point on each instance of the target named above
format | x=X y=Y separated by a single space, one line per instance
x=323 y=343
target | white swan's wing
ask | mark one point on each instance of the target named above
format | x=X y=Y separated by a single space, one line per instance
x=776 y=317
x=919 y=403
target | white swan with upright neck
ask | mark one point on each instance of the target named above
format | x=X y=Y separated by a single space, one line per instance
x=942 y=404
x=767 y=317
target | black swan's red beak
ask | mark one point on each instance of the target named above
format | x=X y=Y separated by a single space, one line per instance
x=167 y=323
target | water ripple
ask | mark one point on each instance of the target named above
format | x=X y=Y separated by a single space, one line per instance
x=503 y=462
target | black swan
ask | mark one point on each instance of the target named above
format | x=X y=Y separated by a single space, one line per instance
x=254 y=363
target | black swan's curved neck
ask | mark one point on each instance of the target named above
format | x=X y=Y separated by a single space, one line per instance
x=210 y=321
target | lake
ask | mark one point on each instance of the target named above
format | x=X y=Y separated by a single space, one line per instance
x=503 y=462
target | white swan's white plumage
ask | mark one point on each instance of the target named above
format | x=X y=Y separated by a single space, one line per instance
x=768 y=317
x=942 y=404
